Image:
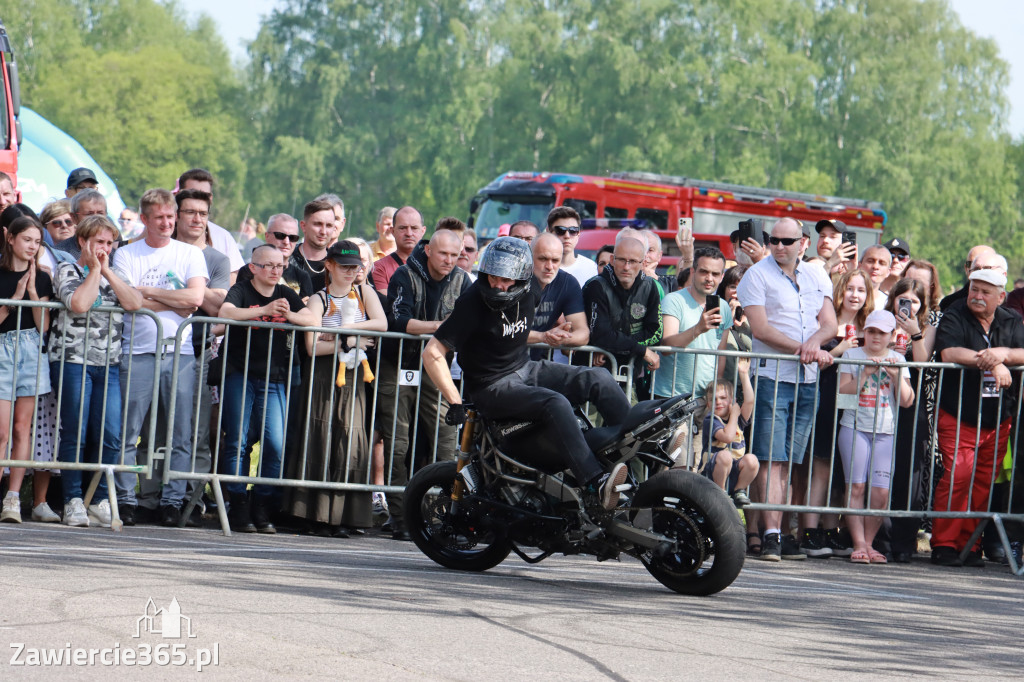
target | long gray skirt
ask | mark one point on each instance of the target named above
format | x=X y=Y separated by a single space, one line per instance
x=325 y=454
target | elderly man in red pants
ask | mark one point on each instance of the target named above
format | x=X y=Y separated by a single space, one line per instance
x=975 y=418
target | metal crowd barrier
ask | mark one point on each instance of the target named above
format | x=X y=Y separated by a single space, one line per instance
x=912 y=498
x=914 y=474
x=48 y=404
x=425 y=435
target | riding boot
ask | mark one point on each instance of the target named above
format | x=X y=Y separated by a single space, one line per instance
x=238 y=514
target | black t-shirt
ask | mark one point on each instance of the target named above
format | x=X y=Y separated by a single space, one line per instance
x=8 y=285
x=491 y=343
x=314 y=268
x=959 y=328
x=244 y=295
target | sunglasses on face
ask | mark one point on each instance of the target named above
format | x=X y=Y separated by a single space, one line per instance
x=562 y=231
x=281 y=236
x=785 y=241
x=897 y=255
x=66 y=222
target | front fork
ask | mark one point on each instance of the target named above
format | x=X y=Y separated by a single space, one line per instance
x=468 y=433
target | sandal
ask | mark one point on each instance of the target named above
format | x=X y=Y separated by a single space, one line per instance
x=860 y=556
x=876 y=557
x=754 y=548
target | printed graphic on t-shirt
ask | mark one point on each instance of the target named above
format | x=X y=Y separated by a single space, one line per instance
x=280 y=319
x=871 y=390
x=159 y=277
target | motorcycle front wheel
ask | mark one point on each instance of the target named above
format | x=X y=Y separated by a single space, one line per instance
x=707 y=550
x=452 y=540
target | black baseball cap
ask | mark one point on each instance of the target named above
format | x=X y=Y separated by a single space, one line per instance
x=897 y=244
x=80 y=175
x=344 y=253
x=837 y=225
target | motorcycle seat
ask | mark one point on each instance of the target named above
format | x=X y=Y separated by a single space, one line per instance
x=603 y=436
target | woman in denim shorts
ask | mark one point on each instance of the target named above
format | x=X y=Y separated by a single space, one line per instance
x=23 y=372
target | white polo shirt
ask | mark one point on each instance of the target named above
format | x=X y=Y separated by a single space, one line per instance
x=791 y=308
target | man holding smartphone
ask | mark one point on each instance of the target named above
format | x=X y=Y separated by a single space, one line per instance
x=694 y=317
x=837 y=244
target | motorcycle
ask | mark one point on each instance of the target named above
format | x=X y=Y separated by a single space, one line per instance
x=506 y=492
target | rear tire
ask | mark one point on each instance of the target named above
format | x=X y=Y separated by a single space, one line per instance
x=453 y=542
x=701 y=519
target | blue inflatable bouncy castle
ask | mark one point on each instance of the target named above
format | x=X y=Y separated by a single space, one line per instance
x=46 y=157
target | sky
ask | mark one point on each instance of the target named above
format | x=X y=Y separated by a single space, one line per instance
x=1002 y=20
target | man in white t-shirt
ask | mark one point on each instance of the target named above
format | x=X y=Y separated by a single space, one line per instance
x=564 y=223
x=220 y=239
x=172 y=278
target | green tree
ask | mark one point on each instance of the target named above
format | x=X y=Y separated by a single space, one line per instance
x=148 y=95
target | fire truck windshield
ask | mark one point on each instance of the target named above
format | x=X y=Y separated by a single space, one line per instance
x=496 y=211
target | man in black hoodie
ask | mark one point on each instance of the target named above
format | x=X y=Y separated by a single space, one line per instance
x=421 y=294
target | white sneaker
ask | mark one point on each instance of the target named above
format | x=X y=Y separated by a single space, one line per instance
x=380 y=504
x=100 y=513
x=43 y=514
x=11 y=509
x=74 y=513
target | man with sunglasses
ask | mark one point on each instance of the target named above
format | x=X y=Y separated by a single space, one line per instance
x=564 y=223
x=899 y=250
x=789 y=306
x=283 y=234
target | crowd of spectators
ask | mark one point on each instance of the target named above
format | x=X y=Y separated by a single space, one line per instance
x=309 y=406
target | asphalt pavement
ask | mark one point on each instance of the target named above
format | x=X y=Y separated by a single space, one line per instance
x=289 y=607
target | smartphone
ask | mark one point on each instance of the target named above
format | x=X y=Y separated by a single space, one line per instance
x=849 y=237
x=685 y=224
x=752 y=229
x=712 y=303
x=905 y=307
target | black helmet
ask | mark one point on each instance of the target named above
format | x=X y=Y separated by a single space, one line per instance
x=510 y=258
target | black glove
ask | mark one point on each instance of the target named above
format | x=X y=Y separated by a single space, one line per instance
x=456 y=415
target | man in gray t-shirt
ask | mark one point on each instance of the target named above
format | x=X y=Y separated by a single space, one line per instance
x=192 y=227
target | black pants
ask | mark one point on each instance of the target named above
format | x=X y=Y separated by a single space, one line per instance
x=908 y=474
x=546 y=391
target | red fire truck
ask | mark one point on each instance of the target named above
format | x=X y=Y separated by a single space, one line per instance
x=660 y=202
x=10 y=104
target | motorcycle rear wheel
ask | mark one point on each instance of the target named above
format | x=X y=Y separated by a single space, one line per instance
x=695 y=513
x=453 y=542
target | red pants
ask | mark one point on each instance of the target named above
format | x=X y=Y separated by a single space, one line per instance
x=991 y=446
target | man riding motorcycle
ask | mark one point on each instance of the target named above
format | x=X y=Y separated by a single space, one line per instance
x=489 y=328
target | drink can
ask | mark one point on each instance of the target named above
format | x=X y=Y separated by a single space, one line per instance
x=901 y=341
x=851 y=332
